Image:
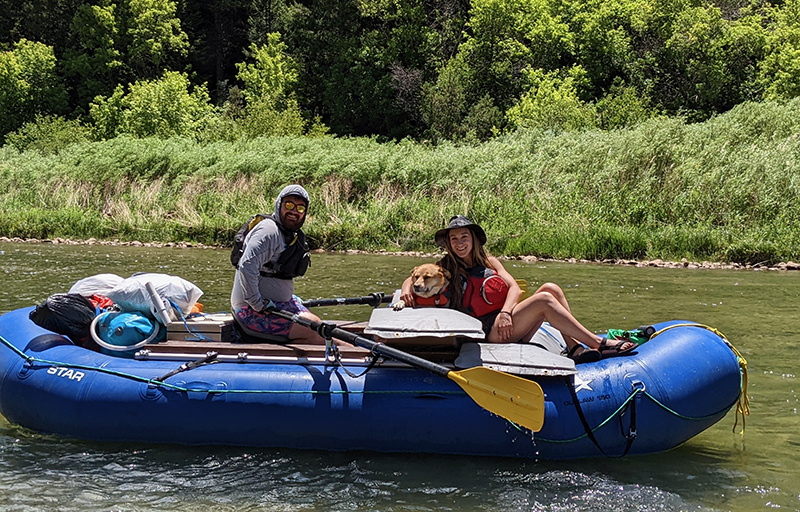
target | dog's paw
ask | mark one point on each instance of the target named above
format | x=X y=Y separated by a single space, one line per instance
x=397 y=306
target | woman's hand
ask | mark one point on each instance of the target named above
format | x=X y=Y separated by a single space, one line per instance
x=504 y=323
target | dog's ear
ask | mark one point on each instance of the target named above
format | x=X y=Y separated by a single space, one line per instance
x=413 y=271
x=446 y=273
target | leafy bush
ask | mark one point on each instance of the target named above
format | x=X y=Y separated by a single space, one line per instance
x=269 y=91
x=553 y=102
x=161 y=108
x=29 y=85
x=48 y=135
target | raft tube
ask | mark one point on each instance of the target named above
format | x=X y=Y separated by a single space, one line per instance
x=682 y=381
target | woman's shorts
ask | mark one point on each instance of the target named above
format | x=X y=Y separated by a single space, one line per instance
x=267 y=322
x=487 y=321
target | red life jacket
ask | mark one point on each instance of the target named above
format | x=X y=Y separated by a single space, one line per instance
x=439 y=300
x=485 y=292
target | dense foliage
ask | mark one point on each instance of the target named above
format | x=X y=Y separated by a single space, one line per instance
x=724 y=189
x=436 y=70
x=583 y=128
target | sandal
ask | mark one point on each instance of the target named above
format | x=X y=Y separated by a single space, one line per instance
x=621 y=348
x=586 y=355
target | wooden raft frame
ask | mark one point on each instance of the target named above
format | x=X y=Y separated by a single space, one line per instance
x=219 y=331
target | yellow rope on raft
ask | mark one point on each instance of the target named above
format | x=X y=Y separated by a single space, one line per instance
x=743 y=404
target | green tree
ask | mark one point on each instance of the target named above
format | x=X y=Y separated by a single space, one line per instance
x=29 y=85
x=507 y=36
x=270 y=82
x=444 y=103
x=363 y=62
x=272 y=77
x=35 y=20
x=779 y=71
x=160 y=108
x=614 y=40
x=94 y=61
x=712 y=61
x=622 y=107
x=553 y=102
x=153 y=39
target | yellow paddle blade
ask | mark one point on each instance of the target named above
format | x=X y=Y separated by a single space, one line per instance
x=523 y=285
x=511 y=397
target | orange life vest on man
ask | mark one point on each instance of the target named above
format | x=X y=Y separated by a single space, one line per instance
x=484 y=292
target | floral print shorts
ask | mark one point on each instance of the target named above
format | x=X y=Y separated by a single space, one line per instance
x=267 y=322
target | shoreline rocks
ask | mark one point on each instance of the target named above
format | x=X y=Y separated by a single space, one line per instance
x=683 y=263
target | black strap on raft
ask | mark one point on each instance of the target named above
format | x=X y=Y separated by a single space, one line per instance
x=338 y=357
x=325 y=330
x=209 y=357
x=630 y=436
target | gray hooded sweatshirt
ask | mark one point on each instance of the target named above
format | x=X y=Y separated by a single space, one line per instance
x=264 y=243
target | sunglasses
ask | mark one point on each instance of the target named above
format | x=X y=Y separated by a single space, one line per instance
x=291 y=206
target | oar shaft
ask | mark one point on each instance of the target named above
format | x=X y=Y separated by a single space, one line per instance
x=327 y=330
x=373 y=300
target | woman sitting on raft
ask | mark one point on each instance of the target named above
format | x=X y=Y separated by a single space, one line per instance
x=508 y=321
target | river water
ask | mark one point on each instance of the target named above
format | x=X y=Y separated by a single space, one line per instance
x=717 y=470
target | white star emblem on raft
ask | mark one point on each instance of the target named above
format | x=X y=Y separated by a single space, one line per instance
x=582 y=384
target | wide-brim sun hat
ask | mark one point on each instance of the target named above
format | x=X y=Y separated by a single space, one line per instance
x=459 y=221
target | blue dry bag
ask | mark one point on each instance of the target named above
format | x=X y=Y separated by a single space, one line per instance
x=121 y=333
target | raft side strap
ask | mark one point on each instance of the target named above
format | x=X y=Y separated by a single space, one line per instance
x=209 y=357
x=370 y=366
x=743 y=403
x=590 y=433
x=331 y=348
x=631 y=435
x=622 y=408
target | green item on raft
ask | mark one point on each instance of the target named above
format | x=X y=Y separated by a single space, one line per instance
x=637 y=336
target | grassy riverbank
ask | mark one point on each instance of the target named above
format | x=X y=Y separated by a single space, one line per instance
x=727 y=189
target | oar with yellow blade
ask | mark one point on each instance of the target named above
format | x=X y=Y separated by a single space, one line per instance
x=511 y=397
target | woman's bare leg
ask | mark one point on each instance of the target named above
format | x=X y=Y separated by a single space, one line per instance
x=529 y=314
x=557 y=292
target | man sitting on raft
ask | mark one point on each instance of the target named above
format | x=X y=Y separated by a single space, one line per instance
x=275 y=252
x=508 y=321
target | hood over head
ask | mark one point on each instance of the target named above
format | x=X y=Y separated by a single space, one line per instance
x=290 y=190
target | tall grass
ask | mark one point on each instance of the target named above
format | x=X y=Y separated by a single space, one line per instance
x=726 y=189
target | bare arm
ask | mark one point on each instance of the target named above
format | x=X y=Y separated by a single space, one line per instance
x=405 y=293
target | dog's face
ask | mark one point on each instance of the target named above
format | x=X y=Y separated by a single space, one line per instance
x=429 y=279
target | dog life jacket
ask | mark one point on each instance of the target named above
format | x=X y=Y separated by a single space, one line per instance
x=485 y=292
x=440 y=299
x=293 y=261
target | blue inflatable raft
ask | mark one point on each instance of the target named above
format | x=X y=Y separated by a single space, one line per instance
x=686 y=378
